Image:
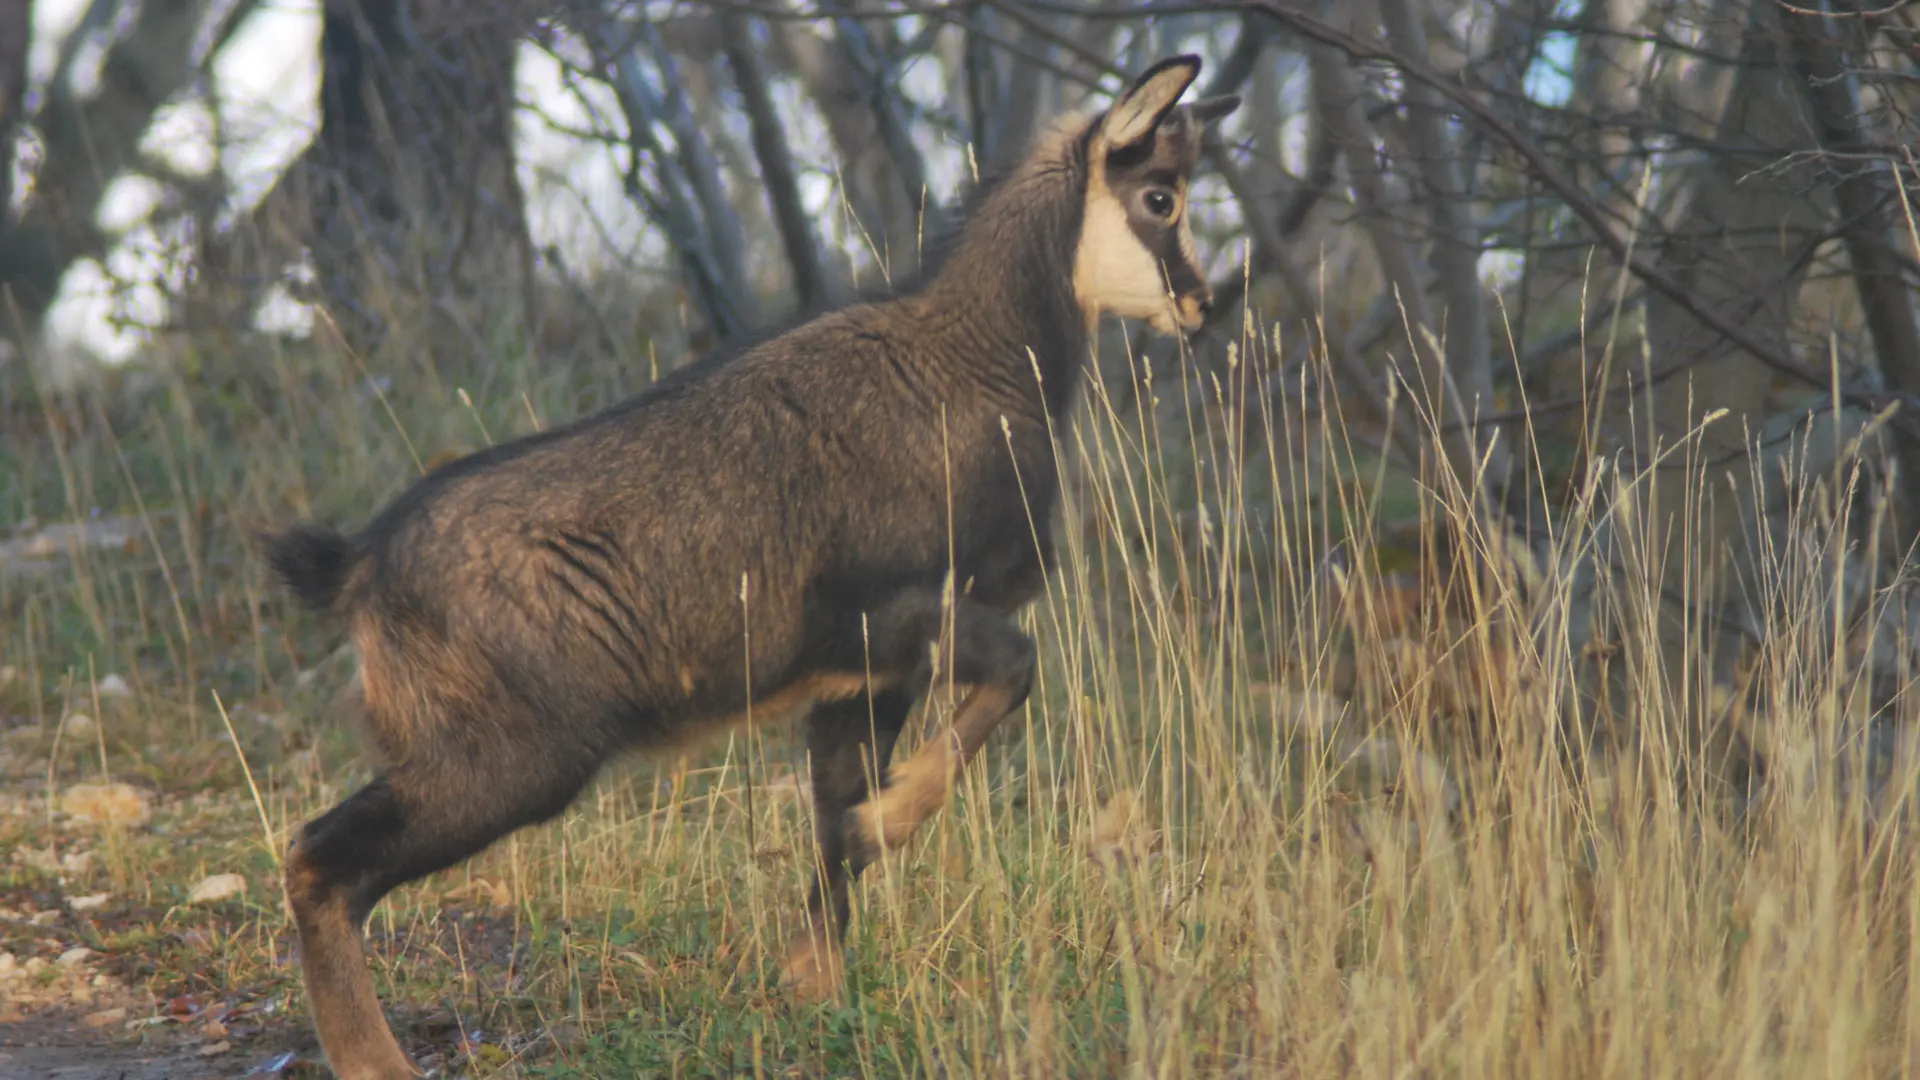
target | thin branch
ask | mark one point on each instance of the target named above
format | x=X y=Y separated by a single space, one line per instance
x=668 y=207
x=810 y=280
x=1338 y=96
x=1576 y=200
x=16 y=34
x=1455 y=255
x=701 y=168
x=869 y=64
x=1861 y=196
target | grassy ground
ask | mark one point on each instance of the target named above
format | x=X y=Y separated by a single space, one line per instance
x=1215 y=843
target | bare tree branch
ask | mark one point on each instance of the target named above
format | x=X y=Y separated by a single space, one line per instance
x=698 y=165
x=982 y=75
x=1323 y=158
x=16 y=31
x=810 y=281
x=1864 y=200
x=719 y=286
x=872 y=184
x=868 y=65
x=1339 y=100
x=1537 y=162
x=1455 y=254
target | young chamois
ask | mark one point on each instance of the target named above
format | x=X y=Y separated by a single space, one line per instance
x=524 y=614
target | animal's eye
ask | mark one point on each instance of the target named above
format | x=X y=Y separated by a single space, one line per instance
x=1159 y=203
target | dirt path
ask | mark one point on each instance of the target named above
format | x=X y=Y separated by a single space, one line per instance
x=56 y=1046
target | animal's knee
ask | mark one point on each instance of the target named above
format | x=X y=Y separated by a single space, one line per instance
x=306 y=884
x=337 y=851
x=990 y=650
x=1017 y=666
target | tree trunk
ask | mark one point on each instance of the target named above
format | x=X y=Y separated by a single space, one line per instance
x=811 y=285
x=878 y=167
x=1455 y=255
x=1607 y=78
x=16 y=32
x=1337 y=96
x=413 y=198
x=1867 y=206
x=1740 y=248
x=1742 y=233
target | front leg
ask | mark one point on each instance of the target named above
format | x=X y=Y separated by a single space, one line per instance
x=847 y=743
x=850 y=740
x=991 y=655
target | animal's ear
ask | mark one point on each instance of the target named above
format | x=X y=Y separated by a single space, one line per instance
x=1214 y=109
x=1144 y=104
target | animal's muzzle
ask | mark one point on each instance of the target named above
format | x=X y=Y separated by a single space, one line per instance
x=1194 y=308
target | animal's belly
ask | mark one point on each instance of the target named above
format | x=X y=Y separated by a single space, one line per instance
x=787 y=705
x=794 y=701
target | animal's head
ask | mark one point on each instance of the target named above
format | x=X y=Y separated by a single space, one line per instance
x=1136 y=257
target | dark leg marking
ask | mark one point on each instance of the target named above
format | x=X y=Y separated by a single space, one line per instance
x=848 y=742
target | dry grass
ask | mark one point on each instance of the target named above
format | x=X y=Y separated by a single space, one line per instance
x=1226 y=838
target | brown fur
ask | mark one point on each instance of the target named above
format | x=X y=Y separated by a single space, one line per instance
x=739 y=541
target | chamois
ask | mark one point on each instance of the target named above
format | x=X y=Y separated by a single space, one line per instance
x=850 y=495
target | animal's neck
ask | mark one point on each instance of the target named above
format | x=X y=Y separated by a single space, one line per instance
x=1008 y=288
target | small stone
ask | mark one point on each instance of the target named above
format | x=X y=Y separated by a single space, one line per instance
x=78 y=725
x=36 y=964
x=107 y=804
x=76 y=955
x=113 y=686
x=214 y=1048
x=105 y=1018
x=77 y=862
x=7 y=961
x=88 y=903
x=24 y=734
x=43 y=918
x=217 y=887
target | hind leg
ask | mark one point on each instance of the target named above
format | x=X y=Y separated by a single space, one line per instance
x=848 y=743
x=411 y=821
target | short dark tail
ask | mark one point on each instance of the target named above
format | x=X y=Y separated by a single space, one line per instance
x=314 y=561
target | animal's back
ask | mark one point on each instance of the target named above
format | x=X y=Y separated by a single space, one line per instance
x=608 y=558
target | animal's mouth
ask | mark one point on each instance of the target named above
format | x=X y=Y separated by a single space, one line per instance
x=1183 y=317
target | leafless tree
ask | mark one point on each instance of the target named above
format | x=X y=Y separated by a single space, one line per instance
x=411 y=181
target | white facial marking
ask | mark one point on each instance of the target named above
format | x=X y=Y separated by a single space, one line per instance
x=1113 y=272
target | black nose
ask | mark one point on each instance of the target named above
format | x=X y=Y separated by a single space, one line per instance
x=1206 y=306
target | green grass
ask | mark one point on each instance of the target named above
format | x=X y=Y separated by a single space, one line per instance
x=1416 y=890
